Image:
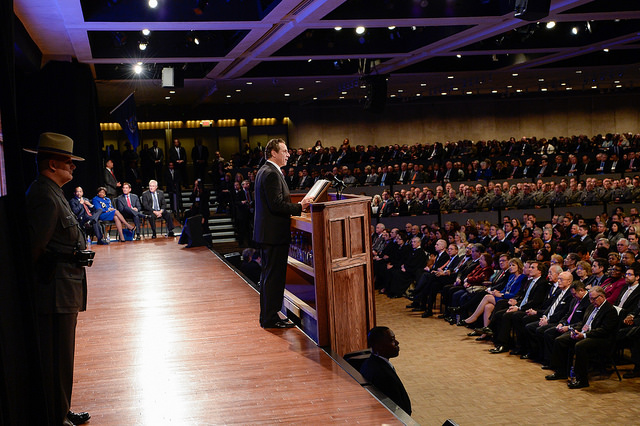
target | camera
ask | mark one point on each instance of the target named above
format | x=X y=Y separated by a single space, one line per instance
x=84 y=257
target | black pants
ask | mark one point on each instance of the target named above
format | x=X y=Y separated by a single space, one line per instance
x=272 y=281
x=57 y=336
x=167 y=218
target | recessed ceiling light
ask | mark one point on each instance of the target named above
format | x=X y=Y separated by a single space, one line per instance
x=423 y=84
x=544 y=89
x=146 y=32
x=309 y=60
x=469 y=93
x=458 y=56
x=300 y=88
x=172 y=91
x=337 y=28
x=594 y=87
x=228 y=96
x=392 y=96
x=167 y=97
x=578 y=71
x=574 y=30
x=392 y=27
x=360 y=30
x=249 y=83
x=413 y=28
x=196 y=40
x=318 y=81
x=617 y=81
x=563 y=84
x=515 y=74
x=494 y=91
x=238 y=90
x=400 y=91
x=568 y=88
x=605 y=50
x=343 y=93
x=509 y=86
x=418 y=94
x=287 y=94
x=541 y=79
x=444 y=93
x=363 y=87
x=142 y=46
x=551 y=24
x=455 y=88
x=619 y=86
x=315 y=98
x=137 y=68
x=518 y=90
x=341 y=97
x=153 y=4
x=449 y=76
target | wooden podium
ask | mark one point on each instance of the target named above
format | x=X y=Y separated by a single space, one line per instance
x=329 y=276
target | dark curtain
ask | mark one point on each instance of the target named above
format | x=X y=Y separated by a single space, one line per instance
x=21 y=392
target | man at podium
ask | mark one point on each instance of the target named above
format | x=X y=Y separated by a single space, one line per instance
x=272 y=231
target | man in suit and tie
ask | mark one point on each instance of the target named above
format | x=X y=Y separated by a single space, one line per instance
x=87 y=214
x=178 y=156
x=129 y=205
x=272 y=231
x=174 y=187
x=110 y=180
x=154 y=205
x=200 y=158
x=157 y=156
x=595 y=334
x=377 y=369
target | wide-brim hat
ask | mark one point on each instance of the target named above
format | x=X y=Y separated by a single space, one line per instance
x=55 y=143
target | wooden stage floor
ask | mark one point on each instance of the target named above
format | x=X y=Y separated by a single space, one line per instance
x=171 y=336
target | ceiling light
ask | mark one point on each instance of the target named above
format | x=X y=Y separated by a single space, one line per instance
x=337 y=28
x=509 y=86
x=167 y=97
x=518 y=90
x=494 y=91
x=341 y=97
x=418 y=94
x=363 y=87
x=142 y=46
x=287 y=94
x=469 y=93
x=578 y=71
x=617 y=81
x=344 y=93
x=400 y=91
x=458 y=56
x=238 y=90
x=551 y=24
x=315 y=98
x=568 y=88
x=137 y=68
x=455 y=88
x=300 y=88
x=449 y=76
x=444 y=93
x=228 y=96
x=605 y=50
x=544 y=89
x=618 y=86
x=146 y=32
x=249 y=83
x=172 y=91
x=515 y=74
x=196 y=40
x=423 y=84
x=360 y=30
x=563 y=84
x=153 y=4
x=318 y=81
x=392 y=96
x=392 y=27
x=574 y=30
x=309 y=60
x=594 y=87
x=541 y=79
x=413 y=28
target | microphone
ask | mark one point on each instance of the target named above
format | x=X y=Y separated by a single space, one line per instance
x=338 y=184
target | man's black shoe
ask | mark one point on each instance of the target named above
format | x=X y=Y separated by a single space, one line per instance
x=78 y=418
x=280 y=324
x=171 y=234
x=427 y=314
x=578 y=384
x=498 y=350
x=153 y=236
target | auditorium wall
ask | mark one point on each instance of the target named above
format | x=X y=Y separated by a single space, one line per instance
x=466 y=118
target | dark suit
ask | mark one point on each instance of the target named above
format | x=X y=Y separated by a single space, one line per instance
x=60 y=289
x=244 y=209
x=572 y=317
x=381 y=375
x=128 y=212
x=174 y=188
x=179 y=154
x=83 y=217
x=147 y=207
x=272 y=231
x=157 y=156
x=111 y=183
x=599 y=338
x=200 y=157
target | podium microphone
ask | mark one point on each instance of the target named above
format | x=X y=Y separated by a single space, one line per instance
x=338 y=184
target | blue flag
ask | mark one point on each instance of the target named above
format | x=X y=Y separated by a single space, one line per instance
x=125 y=114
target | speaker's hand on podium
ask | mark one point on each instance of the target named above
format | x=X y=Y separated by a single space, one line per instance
x=306 y=201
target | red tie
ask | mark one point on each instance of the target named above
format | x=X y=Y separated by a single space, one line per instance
x=86 y=209
x=128 y=201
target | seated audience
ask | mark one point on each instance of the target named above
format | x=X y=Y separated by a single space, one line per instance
x=129 y=205
x=110 y=213
x=87 y=214
x=154 y=205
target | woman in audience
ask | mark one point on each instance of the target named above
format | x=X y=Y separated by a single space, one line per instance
x=583 y=271
x=516 y=237
x=615 y=233
x=544 y=255
x=486 y=306
x=376 y=205
x=396 y=259
x=109 y=212
x=613 y=285
x=473 y=283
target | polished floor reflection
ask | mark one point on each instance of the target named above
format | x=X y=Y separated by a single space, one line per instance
x=171 y=336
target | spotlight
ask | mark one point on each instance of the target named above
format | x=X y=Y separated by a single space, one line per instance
x=392 y=27
x=551 y=24
x=153 y=4
x=360 y=30
x=337 y=28
x=196 y=41
x=142 y=46
x=574 y=30
x=146 y=32
x=137 y=68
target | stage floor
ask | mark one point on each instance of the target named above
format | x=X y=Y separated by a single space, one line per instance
x=171 y=336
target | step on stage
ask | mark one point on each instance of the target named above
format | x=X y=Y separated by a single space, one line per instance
x=171 y=336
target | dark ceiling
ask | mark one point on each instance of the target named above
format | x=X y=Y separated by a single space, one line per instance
x=240 y=51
